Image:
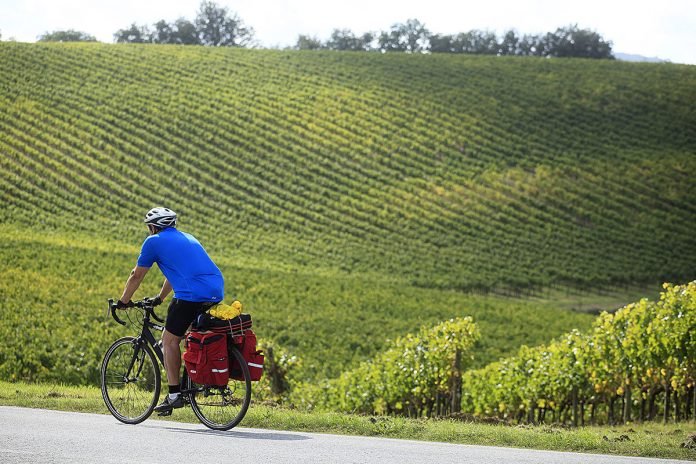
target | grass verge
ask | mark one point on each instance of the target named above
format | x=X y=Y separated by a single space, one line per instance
x=647 y=440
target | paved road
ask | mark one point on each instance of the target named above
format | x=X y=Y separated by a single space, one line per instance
x=41 y=436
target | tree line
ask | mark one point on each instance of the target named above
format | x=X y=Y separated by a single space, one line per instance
x=414 y=37
x=215 y=25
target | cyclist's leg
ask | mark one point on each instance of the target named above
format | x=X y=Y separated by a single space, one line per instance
x=179 y=317
x=171 y=346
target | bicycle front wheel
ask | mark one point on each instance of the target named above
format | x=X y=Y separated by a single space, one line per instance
x=130 y=380
x=223 y=407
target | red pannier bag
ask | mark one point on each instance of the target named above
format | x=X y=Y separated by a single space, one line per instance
x=206 y=358
x=252 y=356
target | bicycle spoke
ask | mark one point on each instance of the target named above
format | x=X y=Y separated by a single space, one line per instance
x=130 y=381
x=222 y=408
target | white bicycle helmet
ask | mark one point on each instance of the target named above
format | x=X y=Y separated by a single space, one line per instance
x=161 y=217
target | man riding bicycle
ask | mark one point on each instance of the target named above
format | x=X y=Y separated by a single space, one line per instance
x=188 y=270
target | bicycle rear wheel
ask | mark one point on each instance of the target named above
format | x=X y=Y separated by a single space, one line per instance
x=221 y=408
x=130 y=380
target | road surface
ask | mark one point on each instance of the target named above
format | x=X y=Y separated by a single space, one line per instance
x=39 y=436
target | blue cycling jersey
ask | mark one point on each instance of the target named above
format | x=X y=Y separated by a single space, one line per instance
x=184 y=262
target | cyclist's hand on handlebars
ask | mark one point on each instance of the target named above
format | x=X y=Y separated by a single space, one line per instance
x=155 y=300
x=121 y=305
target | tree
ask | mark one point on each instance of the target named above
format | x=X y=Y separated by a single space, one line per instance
x=411 y=37
x=528 y=45
x=583 y=43
x=367 y=40
x=185 y=33
x=305 y=42
x=474 y=42
x=217 y=26
x=133 y=34
x=389 y=42
x=478 y=42
x=214 y=25
x=181 y=32
x=163 y=33
x=442 y=43
x=509 y=45
x=344 y=39
x=69 y=35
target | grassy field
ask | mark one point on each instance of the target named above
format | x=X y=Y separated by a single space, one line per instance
x=650 y=440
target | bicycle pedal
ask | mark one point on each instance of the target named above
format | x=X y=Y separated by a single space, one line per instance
x=165 y=413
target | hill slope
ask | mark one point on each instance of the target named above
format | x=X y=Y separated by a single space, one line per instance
x=448 y=171
x=53 y=291
x=332 y=188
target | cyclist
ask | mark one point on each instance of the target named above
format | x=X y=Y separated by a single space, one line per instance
x=188 y=270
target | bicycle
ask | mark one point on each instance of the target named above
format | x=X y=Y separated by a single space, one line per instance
x=131 y=375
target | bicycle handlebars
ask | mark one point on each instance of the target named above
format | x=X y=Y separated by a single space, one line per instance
x=145 y=304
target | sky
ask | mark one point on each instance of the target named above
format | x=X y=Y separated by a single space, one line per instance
x=664 y=29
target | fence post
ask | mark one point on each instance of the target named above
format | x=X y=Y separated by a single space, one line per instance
x=456 y=383
x=277 y=379
x=665 y=416
x=627 y=404
x=575 y=406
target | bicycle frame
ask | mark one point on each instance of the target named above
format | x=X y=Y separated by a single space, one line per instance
x=147 y=338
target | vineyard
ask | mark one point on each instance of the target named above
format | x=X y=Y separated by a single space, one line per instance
x=642 y=359
x=349 y=198
x=53 y=291
x=631 y=359
x=469 y=173
x=413 y=376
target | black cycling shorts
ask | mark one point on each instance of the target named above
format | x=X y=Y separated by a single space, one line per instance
x=182 y=313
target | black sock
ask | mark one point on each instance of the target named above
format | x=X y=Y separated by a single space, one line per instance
x=174 y=389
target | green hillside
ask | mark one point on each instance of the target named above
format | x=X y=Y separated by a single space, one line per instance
x=452 y=171
x=53 y=291
x=348 y=197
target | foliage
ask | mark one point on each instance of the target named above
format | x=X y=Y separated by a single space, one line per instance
x=217 y=26
x=645 y=348
x=410 y=376
x=306 y=42
x=53 y=291
x=570 y=41
x=413 y=37
x=134 y=34
x=281 y=370
x=344 y=39
x=214 y=26
x=576 y=42
x=181 y=32
x=69 y=35
x=473 y=42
